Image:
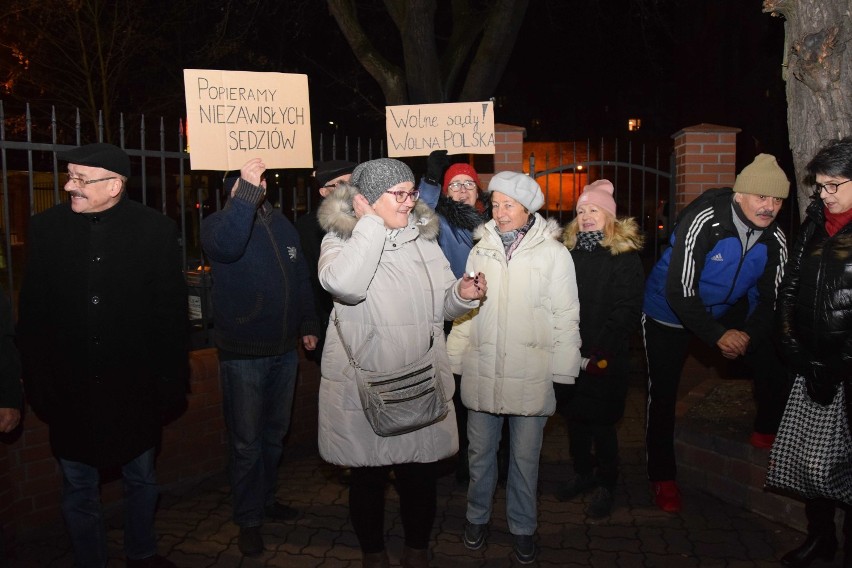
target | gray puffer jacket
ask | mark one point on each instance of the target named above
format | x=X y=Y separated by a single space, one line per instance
x=387 y=308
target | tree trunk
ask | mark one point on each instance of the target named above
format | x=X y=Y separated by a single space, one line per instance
x=430 y=77
x=818 y=76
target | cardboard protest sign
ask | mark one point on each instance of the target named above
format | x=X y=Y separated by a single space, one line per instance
x=458 y=128
x=234 y=116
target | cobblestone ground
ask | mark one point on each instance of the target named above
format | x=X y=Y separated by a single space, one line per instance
x=195 y=528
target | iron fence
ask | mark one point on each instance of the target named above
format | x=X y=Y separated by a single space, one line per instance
x=30 y=175
x=643 y=178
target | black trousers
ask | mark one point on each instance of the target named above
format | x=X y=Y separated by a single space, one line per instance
x=666 y=349
x=586 y=435
x=820 y=515
x=416 y=484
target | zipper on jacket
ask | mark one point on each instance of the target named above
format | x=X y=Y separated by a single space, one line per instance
x=743 y=254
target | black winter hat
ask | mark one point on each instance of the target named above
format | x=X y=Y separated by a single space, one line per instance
x=324 y=172
x=99 y=155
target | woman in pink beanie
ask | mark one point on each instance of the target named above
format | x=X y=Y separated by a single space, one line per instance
x=610 y=281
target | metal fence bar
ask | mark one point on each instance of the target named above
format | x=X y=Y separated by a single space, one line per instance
x=6 y=227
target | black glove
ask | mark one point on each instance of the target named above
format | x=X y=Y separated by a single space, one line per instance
x=821 y=386
x=436 y=163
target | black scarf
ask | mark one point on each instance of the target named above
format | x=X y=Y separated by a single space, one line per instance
x=458 y=214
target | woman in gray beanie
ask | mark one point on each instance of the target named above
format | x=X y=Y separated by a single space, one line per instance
x=392 y=289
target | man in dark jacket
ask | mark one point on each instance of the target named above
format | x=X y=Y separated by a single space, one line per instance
x=11 y=393
x=262 y=304
x=102 y=331
x=328 y=176
x=725 y=248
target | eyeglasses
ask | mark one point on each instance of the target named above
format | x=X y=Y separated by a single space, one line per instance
x=80 y=183
x=829 y=187
x=333 y=185
x=468 y=185
x=401 y=196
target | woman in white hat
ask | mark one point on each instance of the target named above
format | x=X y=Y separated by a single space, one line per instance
x=524 y=337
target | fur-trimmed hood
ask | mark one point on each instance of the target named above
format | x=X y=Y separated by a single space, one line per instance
x=625 y=237
x=336 y=215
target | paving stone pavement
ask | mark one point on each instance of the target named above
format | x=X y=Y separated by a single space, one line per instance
x=195 y=530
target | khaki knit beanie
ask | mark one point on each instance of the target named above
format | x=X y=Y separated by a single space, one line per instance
x=763 y=177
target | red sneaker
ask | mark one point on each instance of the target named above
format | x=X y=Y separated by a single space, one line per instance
x=666 y=495
x=759 y=440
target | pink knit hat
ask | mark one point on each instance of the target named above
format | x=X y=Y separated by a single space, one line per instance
x=457 y=169
x=599 y=193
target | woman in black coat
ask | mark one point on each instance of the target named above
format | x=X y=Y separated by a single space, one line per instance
x=815 y=312
x=610 y=281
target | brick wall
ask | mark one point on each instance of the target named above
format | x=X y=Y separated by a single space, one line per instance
x=193 y=447
x=508 y=155
x=705 y=157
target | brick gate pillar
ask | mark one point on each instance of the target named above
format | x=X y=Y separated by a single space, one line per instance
x=508 y=153
x=705 y=157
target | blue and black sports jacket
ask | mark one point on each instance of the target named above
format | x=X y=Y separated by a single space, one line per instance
x=705 y=272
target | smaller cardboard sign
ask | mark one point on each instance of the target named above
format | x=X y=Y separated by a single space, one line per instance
x=458 y=128
x=234 y=116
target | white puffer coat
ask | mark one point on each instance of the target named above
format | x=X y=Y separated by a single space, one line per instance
x=526 y=334
x=380 y=287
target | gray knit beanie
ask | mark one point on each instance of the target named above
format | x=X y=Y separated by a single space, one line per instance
x=375 y=177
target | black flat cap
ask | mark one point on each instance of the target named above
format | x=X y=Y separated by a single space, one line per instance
x=327 y=171
x=99 y=155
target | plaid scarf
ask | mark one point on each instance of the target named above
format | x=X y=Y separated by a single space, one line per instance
x=589 y=240
x=511 y=239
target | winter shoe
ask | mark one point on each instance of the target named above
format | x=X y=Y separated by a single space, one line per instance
x=474 y=535
x=576 y=486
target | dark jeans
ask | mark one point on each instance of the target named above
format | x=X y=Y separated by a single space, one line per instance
x=416 y=484
x=257 y=398
x=81 y=508
x=666 y=349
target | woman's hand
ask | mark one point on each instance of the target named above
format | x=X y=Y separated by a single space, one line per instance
x=362 y=206
x=472 y=286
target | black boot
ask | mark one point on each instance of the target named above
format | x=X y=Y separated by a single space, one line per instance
x=815 y=546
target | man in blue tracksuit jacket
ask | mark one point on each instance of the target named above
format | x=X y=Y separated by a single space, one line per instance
x=726 y=247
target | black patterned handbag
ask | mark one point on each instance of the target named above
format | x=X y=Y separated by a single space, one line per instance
x=812 y=453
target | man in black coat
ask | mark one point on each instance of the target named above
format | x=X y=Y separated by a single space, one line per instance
x=328 y=176
x=11 y=394
x=102 y=332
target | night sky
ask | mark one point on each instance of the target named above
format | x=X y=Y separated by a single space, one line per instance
x=581 y=69
x=690 y=62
